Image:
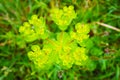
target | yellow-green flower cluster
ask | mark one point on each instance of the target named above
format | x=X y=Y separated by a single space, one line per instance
x=63 y=17
x=40 y=58
x=81 y=33
x=68 y=51
x=63 y=51
x=34 y=29
x=80 y=56
x=59 y=48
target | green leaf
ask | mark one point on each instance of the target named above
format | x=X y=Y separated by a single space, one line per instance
x=91 y=65
x=96 y=51
x=63 y=37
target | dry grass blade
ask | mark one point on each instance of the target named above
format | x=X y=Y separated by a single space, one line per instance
x=108 y=26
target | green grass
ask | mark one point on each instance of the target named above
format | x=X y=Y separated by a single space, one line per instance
x=105 y=53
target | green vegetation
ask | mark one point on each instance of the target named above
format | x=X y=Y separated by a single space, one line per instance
x=59 y=40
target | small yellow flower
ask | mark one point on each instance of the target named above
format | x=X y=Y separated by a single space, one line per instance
x=26 y=24
x=63 y=17
x=66 y=49
x=66 y=60
x=82 y=37
x=80 y=56
x=73 y=35
x=82 y=28
x=22 y=29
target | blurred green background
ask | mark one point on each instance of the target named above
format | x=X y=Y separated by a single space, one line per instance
x=104 y=48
